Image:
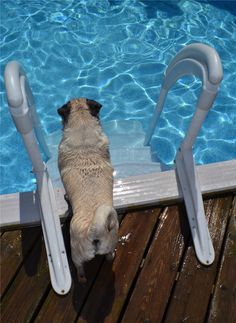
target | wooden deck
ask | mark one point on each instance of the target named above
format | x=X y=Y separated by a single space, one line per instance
x=155 y=276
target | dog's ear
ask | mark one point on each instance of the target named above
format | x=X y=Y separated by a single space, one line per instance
x=64 y=112
x=94 y=107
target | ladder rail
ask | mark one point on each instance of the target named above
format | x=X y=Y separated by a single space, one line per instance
x=204 y=62
x=15 y=81
x=21 y=106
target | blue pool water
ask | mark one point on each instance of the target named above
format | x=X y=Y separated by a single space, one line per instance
x=116 y=52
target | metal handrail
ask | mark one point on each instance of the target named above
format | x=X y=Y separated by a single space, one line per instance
x=21 y=105
x=204 y=62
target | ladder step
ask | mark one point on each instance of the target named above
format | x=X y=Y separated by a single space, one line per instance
x=133 y=140
x=122 y=127
x=130 y=155
x=53 y=141
x=134 y=169
x=121 y=170
x=54 y=172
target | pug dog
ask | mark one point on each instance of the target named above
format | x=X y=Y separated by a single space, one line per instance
x=87 y=176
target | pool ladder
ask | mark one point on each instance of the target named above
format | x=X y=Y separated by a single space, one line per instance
x=196 y=59
x=204 y=62
x=21 y=105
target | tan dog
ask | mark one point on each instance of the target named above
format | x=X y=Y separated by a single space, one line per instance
x=87 y=176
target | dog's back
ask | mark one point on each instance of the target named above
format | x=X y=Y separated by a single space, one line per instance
x=84 y=162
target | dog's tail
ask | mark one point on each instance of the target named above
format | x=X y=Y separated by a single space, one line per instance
x=105 y=218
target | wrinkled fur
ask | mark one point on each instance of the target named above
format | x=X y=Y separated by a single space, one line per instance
x=87 y=175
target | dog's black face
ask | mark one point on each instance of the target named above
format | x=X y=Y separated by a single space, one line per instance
x=94 y=107
x=77 y=104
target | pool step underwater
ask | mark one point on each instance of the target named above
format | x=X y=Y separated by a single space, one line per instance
x=134 y=140
x=122 y=126
x=129 y=156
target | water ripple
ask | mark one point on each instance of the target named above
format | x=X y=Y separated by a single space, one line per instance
x=116 y=53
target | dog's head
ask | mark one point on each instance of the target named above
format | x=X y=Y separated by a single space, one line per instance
x=75 y=106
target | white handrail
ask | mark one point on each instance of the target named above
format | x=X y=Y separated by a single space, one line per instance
x=203 y=62
x=18 y=92
x=21 y=105
x=195 y=59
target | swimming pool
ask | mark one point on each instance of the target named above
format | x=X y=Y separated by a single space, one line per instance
x=116 y=52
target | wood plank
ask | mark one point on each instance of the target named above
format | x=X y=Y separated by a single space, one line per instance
x=223 y=305
x=190 y=298
x=65 y=309
x=29 y=287
x=111 y=289
x=152 y=189
x=157 y=277
x=15 y=245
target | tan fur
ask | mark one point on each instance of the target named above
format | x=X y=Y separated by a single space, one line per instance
x=87 y=176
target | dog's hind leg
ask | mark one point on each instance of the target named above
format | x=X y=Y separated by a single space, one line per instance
x=81 y=275
x=110 y=256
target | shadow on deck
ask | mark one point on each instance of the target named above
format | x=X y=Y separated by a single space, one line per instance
x=155 y=276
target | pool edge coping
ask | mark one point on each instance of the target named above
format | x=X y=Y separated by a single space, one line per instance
x=22 y=209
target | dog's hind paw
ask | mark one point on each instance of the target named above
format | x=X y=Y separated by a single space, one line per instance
x=81 y=276
x=110 y=256
x=82 y=279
